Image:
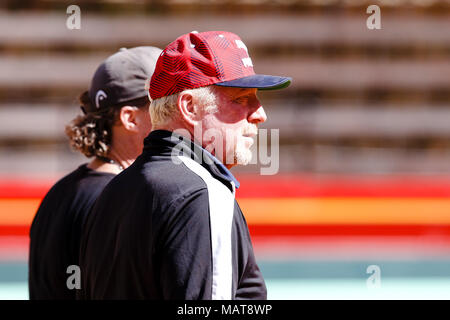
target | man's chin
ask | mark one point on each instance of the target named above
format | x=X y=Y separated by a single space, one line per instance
x=243 y=158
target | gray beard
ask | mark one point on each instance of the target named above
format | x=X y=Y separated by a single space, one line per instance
x=242 y=156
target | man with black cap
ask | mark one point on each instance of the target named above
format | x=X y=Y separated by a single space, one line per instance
x=112 y=129
x=169 y=226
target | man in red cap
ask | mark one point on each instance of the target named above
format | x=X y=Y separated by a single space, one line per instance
x=169 y=226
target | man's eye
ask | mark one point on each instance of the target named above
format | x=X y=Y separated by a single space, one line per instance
x=241 y=100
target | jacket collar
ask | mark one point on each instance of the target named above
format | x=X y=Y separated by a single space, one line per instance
x=162 y=142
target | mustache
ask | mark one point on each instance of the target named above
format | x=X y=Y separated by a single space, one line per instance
x=251 y=130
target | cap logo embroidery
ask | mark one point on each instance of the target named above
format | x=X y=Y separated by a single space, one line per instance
x=246 y=61
x=147 y=88
x=100 y=96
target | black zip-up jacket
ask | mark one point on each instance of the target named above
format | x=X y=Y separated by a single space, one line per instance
x=169 y=227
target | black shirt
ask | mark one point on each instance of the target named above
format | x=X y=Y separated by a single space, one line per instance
x=56 y=230
x=169 y=227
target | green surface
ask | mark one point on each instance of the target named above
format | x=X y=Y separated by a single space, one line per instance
x=294 y=289
x=405 y=279
x=356 y=269
x=334 y=289
x=14 y=291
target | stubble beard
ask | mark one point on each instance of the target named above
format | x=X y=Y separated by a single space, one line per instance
x=242 y=154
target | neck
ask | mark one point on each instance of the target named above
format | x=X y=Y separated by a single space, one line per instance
x=122 y=159
x=174 y=126
x=189 y=134
x=102 y=166
x=123 y=151
x=125 y=147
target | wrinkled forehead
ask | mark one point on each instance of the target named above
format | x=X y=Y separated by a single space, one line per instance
x=231 y=92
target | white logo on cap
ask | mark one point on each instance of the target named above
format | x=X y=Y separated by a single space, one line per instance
x=246 y=61
x=147 y=88
x=100 y=96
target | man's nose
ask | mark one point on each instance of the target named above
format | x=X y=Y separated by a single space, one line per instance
x=258 y=116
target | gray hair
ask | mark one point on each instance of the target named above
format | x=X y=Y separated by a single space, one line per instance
x=164 y=109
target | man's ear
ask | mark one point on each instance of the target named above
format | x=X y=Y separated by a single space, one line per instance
x=128 y=118
x=187 y=108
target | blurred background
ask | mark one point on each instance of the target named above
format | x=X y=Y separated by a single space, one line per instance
x=364 y=157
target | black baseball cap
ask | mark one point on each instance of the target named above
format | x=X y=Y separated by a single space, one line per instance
x=122 y=77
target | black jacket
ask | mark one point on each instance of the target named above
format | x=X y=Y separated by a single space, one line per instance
x=56 y=231
x=169 y=227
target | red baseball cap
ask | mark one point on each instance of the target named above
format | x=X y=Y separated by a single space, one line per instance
x=201 y=59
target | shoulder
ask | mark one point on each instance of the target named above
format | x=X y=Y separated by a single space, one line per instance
x=69 y=198
x=82 y=182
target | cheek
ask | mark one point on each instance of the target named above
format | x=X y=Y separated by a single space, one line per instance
x=226 y=128
x=235 y=115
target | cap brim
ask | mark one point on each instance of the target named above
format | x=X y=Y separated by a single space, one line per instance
x=259 y=81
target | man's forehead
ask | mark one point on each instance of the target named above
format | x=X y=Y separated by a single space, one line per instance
x=231 y=91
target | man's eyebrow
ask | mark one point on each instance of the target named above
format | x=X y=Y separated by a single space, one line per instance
x=234 y=94
x=246 y=90
x=239 y=93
